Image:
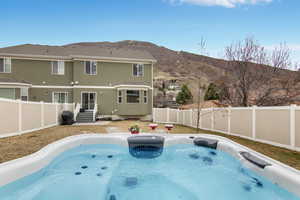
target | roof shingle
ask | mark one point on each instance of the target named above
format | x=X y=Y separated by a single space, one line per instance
x=71 y=51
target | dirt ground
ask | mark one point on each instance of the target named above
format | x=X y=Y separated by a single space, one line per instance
x=19 y=146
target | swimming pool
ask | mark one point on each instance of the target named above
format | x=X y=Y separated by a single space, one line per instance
x=93 y=167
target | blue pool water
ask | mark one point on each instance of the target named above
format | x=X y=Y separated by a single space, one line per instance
x=109 y=172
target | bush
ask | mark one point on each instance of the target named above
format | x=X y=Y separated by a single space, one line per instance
x=212 y=93
x=184 y=96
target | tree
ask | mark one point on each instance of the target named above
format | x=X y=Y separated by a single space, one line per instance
x=184 y=96
x=201 y=86
x=212 y=92
x=163 y=89
x=258 y=77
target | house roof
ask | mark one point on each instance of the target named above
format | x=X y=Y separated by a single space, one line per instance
x=76 y=51
x=205 y=104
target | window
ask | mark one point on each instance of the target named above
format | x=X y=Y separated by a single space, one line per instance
x=145 y=96
x=138 y=70
x=24 y=94
x=91 y=67
x=58 y=67
x=5 y=65
x=133 y=96
x=120 y=97
x=60 y=97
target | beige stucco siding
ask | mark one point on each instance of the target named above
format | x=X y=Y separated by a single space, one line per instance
x=241 y=122
x=9 y=117
x=36 y=72
x=45 y=94
x=297 y=130
x=273 y=125
x=31 y=116
x=111 y=74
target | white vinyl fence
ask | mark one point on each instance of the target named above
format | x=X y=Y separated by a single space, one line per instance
x=18 y=117
x=279 y=126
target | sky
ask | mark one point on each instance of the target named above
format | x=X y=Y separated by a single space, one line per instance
x=176 y=24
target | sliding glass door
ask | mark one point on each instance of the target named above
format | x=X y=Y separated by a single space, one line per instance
x=88 y=100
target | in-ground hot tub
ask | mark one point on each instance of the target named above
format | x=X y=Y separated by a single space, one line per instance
x=168 y=167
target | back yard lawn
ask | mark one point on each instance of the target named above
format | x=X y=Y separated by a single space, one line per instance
x=19 y=146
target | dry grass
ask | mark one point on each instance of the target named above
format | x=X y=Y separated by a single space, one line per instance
x=19 y=146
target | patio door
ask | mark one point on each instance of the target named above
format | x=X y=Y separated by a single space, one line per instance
x=88 y=100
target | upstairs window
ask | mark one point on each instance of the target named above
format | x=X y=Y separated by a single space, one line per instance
x=120 y=96
x=91 y=67
x=145 y=96
x=58 y=67
x=138 y=70
x=5 y=65
x=133 y=96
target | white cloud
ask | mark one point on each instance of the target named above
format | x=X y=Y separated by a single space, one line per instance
x=224 y=3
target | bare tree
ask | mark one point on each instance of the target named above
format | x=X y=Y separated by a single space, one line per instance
x=200 y=86
x=257 y=77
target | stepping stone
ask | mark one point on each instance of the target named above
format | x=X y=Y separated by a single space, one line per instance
x=84 y=167
x=104 y=168
x=77 y=173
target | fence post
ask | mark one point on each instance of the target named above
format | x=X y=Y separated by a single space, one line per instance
x=212 y=119
x=191 y=115
x=153 y=114
x=56 y=111
x=20 y=115
x=254 y=122
x=168 y=115
x=42 y=114
x=200 y=118
x=292 y=125
x=177 y=117
x=183 y=117
x=229 y=120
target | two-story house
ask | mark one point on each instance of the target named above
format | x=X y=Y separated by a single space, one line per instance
x=119 y=81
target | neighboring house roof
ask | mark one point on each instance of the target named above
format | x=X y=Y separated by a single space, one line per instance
x=76 y=51
x=205 y=104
